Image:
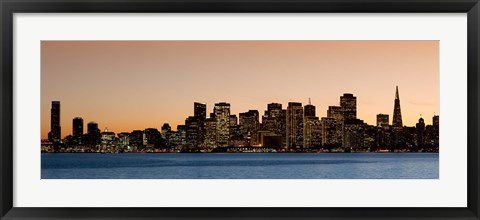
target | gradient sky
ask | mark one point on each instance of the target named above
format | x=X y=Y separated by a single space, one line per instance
x=128 y=85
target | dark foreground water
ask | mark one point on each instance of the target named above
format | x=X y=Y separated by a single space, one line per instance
x=241 y=166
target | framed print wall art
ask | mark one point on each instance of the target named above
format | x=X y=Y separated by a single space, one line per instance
x=256 y=110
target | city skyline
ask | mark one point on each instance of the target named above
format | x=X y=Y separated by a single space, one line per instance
x=296 y=129
x=75 y=128
x=108 y=89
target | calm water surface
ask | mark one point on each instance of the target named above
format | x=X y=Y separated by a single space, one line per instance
x=241 y=166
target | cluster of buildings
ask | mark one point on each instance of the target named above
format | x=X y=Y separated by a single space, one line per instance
x=296 y=128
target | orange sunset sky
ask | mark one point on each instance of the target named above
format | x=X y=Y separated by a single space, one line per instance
x=128 y=85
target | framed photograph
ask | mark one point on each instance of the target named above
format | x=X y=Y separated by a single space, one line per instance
x=239 y=109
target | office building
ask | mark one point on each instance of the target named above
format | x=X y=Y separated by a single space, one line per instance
x=354 y=133
x=77 y=130
x=93 y=134
x=294 y=124
x=397 y=113
x=420 y=132
x=249 y=126
x=382 y=120
x=274 y=120
x=55 y=134
x=210 y=132
x=348 y=102
x=336 y=112
x=222 y=116
x=200 y=110
x=312 y=132
x=309 y=110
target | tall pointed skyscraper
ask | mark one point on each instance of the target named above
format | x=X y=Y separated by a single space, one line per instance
x=397 y=113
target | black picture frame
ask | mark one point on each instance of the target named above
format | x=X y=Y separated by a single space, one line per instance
x=9 y=7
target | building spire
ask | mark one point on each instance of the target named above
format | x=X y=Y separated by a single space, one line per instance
x=397 y=113
x=396 y=94
x=309 y=102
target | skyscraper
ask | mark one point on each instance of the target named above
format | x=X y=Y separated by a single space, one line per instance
x=200 y=110
x=274 y=120
x=93 y=134
x=329 y=132
x=210 y=132
x=354 y=133
x=249 y=126
x=55 y=134
x=294 y=125
x=166 y=132
x=335 y=138
x=309 y=110
x=107 y=139
x=195 y=126
x=77 y=129
x=419 y=132
x=397 y=114
x=193 y=132
x=382 y=120
x=153 y=137
x=222 y=116
x=436 y=129
x=312 y=132
x=233 y=120
x=348 y=102
x=136 y=139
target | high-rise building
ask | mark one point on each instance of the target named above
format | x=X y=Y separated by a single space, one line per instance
x=309 y=110
x=195 y=126
x=294 y=124
x=370 y=133
x=312 y=132
x=234 y=128
x=274 y=109
x=436 y=121
x=166 y=133
x=107 y=139
x=182 y=133
x=336 y=112
x=211 y=132
x=92 y=127
x=436 y=129
x=329 y=132
x=77 y=130
x=354 y=134
x=429 y=136
x=55 y=134
x=383 y=137
x=274 y=120
x=193 y=132
x=420 y=132
x=124 y=141
x=222 y=116
x=233 y=120
x=249 y=126
x=93 y=134
x=312 y=129
x=136 y=139
x=348 y=102
x=397 y=113
x=200 y=110
x=382 y=120
x=153 y=137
